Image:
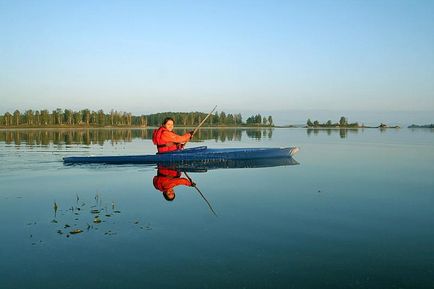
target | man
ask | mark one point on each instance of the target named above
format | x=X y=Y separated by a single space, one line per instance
x=166 y=179
x=166 y=140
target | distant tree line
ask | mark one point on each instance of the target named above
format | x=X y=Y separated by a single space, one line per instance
x=258 y=119
x=422 y=126
x=67 y=117
x=343 y=122
x=194 y=118
x=86 y=117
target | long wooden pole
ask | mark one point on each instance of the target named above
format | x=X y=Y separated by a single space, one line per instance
x=203 y=121
x=197 y=189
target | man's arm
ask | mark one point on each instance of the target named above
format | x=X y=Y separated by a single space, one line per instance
x=169 y=136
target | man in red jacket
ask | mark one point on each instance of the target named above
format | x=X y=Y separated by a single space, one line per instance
x=166 y=179
x=166 y=140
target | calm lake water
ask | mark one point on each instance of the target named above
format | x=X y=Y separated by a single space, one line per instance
x=356 y=212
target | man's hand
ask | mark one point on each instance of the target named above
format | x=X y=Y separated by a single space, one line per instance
x=193 y=184
x=191 y=134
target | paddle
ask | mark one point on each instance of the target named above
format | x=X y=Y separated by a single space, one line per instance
x=203 y=121
x=209 y=205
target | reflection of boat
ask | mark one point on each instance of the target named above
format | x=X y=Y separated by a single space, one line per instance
x=198 y=154
x=204 y=165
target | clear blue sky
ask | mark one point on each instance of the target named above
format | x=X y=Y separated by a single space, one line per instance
x=150 y=56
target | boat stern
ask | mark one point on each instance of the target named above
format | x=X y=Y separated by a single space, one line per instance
x=293 y=151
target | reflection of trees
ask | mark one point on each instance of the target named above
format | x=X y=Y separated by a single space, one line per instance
x=58 y=137
x=221 y=135
x=259 y=133
x=254 y=133
x=100 y=136
x=343 y=132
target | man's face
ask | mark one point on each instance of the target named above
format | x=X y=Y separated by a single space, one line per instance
x=170 y=194
x=169 y=125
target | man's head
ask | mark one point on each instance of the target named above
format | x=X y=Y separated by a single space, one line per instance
x=169 y=195
x=168 y=123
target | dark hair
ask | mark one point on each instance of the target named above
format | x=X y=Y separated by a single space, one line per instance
x=167 y=197
x=166 y=120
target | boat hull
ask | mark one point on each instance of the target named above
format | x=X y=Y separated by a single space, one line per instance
x=199 y=154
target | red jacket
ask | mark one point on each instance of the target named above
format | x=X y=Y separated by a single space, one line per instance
x=167 y=179
x=167 y=141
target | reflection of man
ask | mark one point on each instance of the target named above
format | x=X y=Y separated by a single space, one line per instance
x=166 y=179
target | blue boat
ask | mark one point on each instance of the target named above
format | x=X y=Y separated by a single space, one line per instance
x=201 y=154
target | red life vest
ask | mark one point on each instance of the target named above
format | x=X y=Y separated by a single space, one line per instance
x=167 y=172
x=167 y=178
x=158 y=183
x=163 y=147
x=164 y=183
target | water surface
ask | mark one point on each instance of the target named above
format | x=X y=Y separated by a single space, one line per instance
x=356 y=212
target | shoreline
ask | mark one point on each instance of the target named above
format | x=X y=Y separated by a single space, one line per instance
x=128 y=127
x=2 y=128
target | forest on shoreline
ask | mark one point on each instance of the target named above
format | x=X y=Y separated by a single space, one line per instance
x=343 y=123
x=89 y=118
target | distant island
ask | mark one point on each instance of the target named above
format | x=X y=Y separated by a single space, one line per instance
x=421 y=126
x=343 y=123
x=66 y=118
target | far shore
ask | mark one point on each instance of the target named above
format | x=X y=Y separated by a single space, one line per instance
x=128 y=127
x=351 y=127
x=191 y=127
